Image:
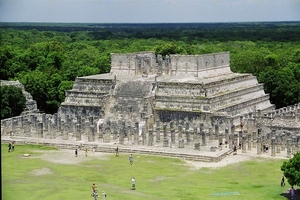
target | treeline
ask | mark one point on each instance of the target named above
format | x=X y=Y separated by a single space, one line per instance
x=47 y=58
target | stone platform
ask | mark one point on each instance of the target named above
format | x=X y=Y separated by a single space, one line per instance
x=188 y=153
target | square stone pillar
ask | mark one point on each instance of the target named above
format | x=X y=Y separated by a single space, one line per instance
x=78 y=132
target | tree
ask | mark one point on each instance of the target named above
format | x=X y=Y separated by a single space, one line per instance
x=291 y=170
x=36 y=83
x=13 y=102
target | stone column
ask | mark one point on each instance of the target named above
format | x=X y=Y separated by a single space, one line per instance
x=65 y=131
x=197 y=146
x=289 y=147
x=188 y=137
x=187 y=126
x=181 y=143
x=91 y=135
x=40 y=130
x=106 y=134
x=101 y=130
x=165 y=130
x=258 y=145
x=230 y=141
x=52 y=130
x=78 y=132
x=254 y=136
x=144 y=139
x=121 y=136
x=235 y=139
x=226 y=135
x=91 y=120
x=83 y=124
x=244 y=141
x=195 y=134
x=171 y=125
x=240 y=136
x=129 y=132
x=136 y=135
x=294 y=142
x=232 y=128
x=273 y=146
x=180 y=131
x=27 y=128
x=210 y=133
x=298 y=142
x=203 y=134
x=278 y=143
x=283 y=143
x=150 y=137
x=249 y=141
x=87 y=128
x=44 y=119
x=217 y=130
x=172 y=135
x=32 y=121
x=157 y=133
x=273 y=133
x=220 y=138
x=59 y=126
x=165 y=142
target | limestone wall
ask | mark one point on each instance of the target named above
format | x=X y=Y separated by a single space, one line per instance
x=200 y=65
x=133 y=63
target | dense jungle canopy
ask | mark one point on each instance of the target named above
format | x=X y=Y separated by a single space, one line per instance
x=46 y=58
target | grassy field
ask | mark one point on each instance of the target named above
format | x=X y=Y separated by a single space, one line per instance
x=157 y=178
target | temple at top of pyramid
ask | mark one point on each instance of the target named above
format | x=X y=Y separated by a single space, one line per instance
x=143 y=86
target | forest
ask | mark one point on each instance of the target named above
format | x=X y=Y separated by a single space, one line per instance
x=47 y=57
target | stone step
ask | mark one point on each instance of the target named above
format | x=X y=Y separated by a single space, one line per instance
x=236 y=93
x=95 y=85
x=243 y=106
x=229 y=84
x=237 y=96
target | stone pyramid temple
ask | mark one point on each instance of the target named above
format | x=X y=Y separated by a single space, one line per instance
x=143 y=86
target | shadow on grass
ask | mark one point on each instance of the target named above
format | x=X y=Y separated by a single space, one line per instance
x=287 y=194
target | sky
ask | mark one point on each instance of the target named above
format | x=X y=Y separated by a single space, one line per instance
x=148 y=11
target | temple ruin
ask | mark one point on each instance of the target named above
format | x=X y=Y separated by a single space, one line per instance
x=180 y=105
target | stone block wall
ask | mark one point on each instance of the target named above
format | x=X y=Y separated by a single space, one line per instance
x=200 y=65
x=133 y=63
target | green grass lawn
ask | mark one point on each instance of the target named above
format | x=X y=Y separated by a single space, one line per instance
x=156 y=178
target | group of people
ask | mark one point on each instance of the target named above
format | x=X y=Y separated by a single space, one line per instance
x=265 y=147
x=95 y=194
x=85 y=151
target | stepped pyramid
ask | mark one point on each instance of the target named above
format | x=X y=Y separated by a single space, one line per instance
x=179 y=87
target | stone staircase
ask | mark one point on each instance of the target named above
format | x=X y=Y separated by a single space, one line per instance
x=89 y=96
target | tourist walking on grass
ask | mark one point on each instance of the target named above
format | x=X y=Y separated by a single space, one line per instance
x=131 y=159
x=104 y=195
x=13 y=146
x=282 y=183
x=133 y=183
x=94 y=191
x=292 y=191
x=86 y=152
x=117 y=151
x=9 y=147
